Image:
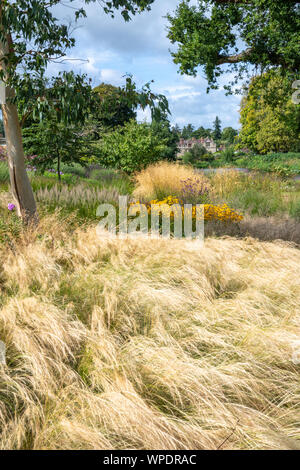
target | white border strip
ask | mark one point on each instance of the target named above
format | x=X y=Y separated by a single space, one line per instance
x=2 y=93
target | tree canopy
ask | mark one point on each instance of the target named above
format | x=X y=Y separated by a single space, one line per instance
x=217 y=132
x=239 y=33
x=31 y=37
x=270 y=121
x=229 y=134
x=113 y=109
x=118 y=105
x=132 y=147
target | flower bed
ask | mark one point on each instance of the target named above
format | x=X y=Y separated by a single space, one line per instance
x=211 y=211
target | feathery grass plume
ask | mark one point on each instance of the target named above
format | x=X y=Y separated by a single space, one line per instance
x=162 y=179
x=148 y=344
x=76 y=196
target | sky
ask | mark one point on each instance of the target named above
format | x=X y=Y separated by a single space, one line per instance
x=108 y=48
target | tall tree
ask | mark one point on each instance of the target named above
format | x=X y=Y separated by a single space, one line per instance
x=187 y=131
x=118 y=105
x=30 y=37
x=268 y=124
x=229 y=134
x=237 y=33
x=201 y=132
x=161 y=128
x=114 y=108
x=132 y=147
x=217 y=132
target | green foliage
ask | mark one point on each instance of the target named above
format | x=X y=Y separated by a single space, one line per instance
x=217 y=132
x=74 y=169
x=176 y=129
x=116 y=105
x=228 y=135
x=285 y=164
x=201 y=132
x=114 y=108
x=80 y=199
x=261 y=32
x=111 y=179
x=52 y=126
x=187 y=131
x=257 y=194
x=4 y=173
x=39 y=37
x=132 y=147
x=294 y=209
x=53 y=143
x=270 y=121
x=195 y=154
x=227 y=155
x=161 y=129
x=1 y=127
x=68 y=98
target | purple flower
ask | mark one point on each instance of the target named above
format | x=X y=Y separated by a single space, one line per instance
x=11 y=207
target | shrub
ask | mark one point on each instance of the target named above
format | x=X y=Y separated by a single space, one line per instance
x=132 y=147
x=75 y=169
x=195 y=155
x=227 y=155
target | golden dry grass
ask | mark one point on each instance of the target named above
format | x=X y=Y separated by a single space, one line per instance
x=148 y=344
x=164 y=179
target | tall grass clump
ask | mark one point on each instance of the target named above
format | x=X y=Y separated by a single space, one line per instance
x=148 y=344
x=81 y=198
x=165 y=179
x=4 y=172
x=107 y=178
x=258 y=195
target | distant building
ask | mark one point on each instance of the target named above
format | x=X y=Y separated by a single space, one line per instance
x=186 y=145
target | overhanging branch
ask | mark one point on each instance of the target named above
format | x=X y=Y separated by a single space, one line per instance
x=234 y=59
x=249 y=1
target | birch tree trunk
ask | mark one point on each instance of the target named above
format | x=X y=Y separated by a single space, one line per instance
x=20 y=184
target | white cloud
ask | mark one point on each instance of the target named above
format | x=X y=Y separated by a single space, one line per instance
x=113 y=48
x=111 y=76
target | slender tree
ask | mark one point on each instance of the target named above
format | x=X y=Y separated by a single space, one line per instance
x=30 y=37
x=217 y=132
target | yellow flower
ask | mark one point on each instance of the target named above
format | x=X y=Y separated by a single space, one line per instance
x=211 y=212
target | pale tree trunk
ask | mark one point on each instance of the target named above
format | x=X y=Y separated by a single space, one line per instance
x=20 y=184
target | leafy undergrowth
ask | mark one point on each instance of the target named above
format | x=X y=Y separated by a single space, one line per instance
x=148 y=344
x=284 y=164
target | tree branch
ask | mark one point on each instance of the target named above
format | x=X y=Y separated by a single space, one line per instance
x=234 y=59
x=249 y=1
